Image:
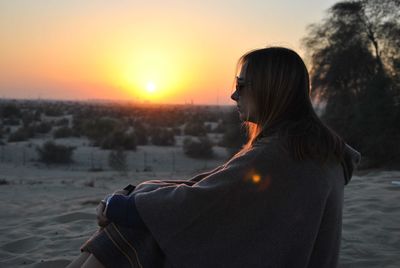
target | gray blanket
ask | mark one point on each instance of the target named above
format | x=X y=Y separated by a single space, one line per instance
x=260 y=209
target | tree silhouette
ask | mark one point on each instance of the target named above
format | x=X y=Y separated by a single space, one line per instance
x=355 y=55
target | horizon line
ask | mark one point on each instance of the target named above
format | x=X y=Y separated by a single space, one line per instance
x=104 y=100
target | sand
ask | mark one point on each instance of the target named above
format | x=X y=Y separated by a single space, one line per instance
x=47 y=213
x=371 y=221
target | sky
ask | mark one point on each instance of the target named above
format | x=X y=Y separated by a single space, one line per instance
x=142 y=51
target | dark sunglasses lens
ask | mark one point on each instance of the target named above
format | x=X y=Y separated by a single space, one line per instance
x=239 y=86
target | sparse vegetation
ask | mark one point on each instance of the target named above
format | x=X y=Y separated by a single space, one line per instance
x=62 y=122
x=43 y=127
x=198 y=147
x=98 y=130
x=162 y=137
x=63 y=132
x=195 y=128
x=141 y=133
x=113 y=127
x=10 y=111
x=4 y=182
x=21 y=134
x=51 y=152
x=234 y=134
x=11 y=121
x=119 y=139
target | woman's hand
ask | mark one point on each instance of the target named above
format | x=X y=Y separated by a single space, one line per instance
x=101 y=210
x=102 y=220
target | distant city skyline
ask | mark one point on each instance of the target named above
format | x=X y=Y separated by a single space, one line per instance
x=155 y=51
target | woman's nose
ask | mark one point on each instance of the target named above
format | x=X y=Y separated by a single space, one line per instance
x=235 y=96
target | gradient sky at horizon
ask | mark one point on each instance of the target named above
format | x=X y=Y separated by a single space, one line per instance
x=157 y=51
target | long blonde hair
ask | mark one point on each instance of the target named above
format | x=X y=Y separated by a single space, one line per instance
x=280 y=88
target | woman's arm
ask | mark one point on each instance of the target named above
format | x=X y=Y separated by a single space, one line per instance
x=201 y=176
x=122 y=210
x=151 y=185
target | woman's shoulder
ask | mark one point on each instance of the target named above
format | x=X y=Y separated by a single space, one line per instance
x=271 y=145
x=263 y=150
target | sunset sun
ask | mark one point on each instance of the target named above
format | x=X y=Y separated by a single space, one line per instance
x=150 y=87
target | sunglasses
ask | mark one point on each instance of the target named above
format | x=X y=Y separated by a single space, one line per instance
x=240 y=84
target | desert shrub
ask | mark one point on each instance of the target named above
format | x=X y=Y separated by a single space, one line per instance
x=11 y=121
x=43 y=127
x=162 y=136
x=10 y=111
x=38 y=114
x=119 y=139
x=28 y=118
x=195 y=128
x=141 y=134
x=177 y=131
x=4 y=182
x=208 y=128
x=97 y=130
x=234 y=133
x=21 y=134
x=198 y=147
x=53 y=111
x=51 y=152
x=62 y=122
x=63 y=132
x=117 y=160
x=78 y=124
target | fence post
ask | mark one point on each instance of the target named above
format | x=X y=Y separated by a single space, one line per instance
x=91 y=160
x=173 y=161
x=23 y=156
x=145 y=161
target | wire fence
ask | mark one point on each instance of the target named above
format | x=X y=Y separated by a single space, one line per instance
x=145 y=158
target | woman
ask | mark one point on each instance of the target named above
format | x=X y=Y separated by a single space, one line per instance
x=276 y=203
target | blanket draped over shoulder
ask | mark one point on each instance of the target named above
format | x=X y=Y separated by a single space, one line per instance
x=260 y=209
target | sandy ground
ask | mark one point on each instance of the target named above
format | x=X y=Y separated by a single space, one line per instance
x=371 y=221
x=47 y=213
x=44 y=220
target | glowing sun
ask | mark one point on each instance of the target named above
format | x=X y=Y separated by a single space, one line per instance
x=150 y=87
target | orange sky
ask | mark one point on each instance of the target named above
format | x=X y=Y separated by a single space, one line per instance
x=159 y=51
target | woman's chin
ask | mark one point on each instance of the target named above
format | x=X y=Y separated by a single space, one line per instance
x=242 y=117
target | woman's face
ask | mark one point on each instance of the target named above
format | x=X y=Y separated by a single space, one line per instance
x=245 y=104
